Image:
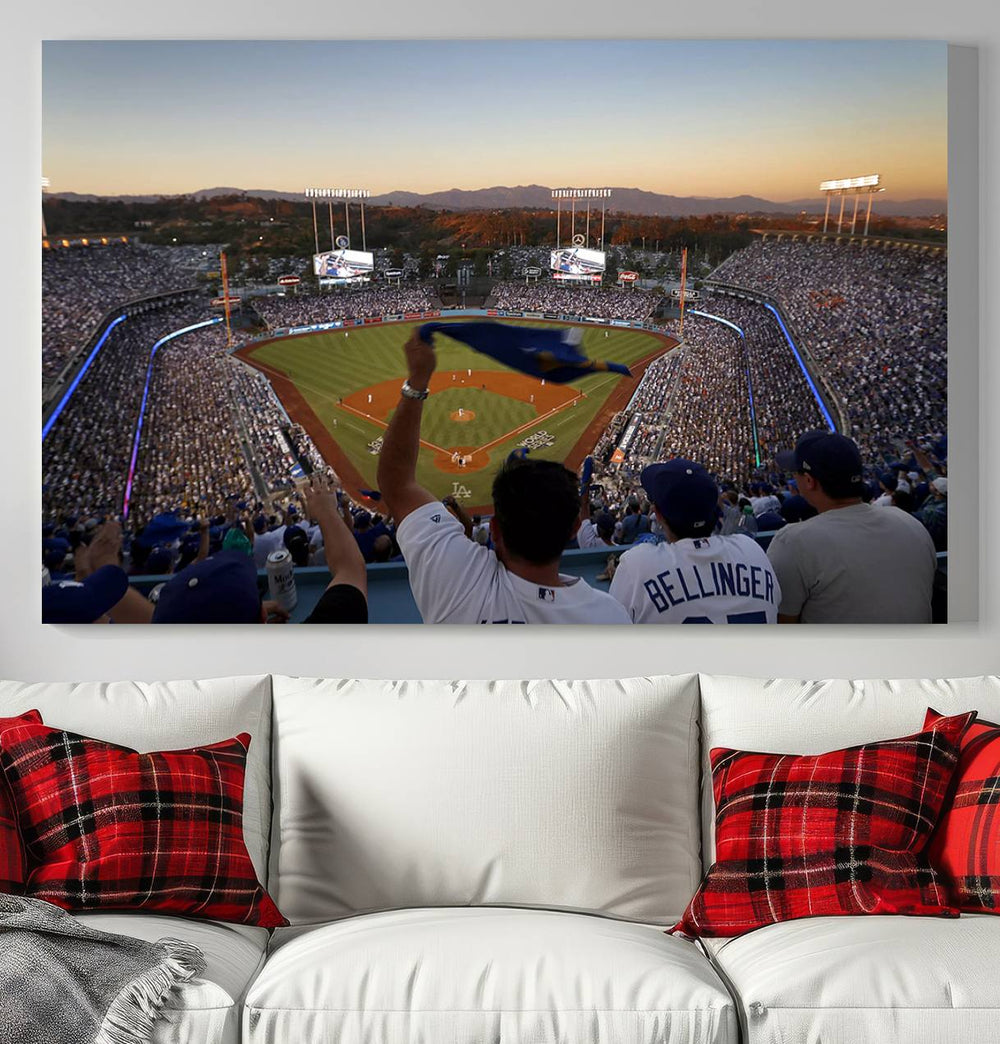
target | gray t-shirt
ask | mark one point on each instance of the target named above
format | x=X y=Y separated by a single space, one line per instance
x=857 y=564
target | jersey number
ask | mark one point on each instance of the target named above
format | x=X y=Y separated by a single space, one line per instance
x=733 y=618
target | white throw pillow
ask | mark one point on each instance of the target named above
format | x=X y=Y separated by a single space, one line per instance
x=576 y=795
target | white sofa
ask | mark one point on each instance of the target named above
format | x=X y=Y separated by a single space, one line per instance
x=495 y=863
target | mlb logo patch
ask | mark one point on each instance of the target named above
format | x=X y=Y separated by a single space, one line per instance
x=546 y=594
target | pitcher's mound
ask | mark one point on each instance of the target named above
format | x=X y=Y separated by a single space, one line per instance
x=463 y=416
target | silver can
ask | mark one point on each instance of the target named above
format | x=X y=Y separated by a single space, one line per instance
x=281 y=579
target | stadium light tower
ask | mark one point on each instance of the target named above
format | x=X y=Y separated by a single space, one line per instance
x=868 y=185
x=347 y=195
x=573 y=194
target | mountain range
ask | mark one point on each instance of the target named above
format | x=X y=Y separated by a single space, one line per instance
x=628 y=200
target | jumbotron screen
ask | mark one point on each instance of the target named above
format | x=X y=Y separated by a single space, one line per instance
x=344 y=264
x=577 y=261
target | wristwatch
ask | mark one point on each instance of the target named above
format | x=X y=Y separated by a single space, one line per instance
x=409 y=392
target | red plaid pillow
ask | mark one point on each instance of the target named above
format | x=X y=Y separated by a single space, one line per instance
x=827 y=834
x=966 y=843
x=12 y=869
x=108 y=828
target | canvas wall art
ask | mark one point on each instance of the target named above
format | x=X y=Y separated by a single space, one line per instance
x=481 y=332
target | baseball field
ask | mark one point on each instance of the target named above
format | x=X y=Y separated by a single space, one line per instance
x=342 y=386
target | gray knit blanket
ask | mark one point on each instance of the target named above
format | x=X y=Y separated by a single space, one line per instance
x=64 y=983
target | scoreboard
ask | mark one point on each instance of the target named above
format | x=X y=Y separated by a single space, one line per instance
x=344 y=266
x=577 y=263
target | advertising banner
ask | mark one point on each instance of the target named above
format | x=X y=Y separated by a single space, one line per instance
x=571 y=278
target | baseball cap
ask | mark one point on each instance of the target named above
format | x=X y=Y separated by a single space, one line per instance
x=162 y=529
x=219 y=589
x=940 y=485
x=797 y=509
x=297 y=541
x=684 y=493
x=832 y=459
x=84 y=601
x=362 y=518
x=159 y=561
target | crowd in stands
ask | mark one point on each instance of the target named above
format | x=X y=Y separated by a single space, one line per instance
x=81 y=284
x=190 y=452
x=217 y=450
x=874 y=320
x=603 y=302
x=306 y=309
x=213 y=429
x=86 y=456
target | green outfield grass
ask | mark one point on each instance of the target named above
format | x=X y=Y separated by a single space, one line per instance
x=329 y=366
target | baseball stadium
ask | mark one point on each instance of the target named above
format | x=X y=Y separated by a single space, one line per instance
x=231 y=376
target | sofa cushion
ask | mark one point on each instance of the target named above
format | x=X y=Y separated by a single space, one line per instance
x=575 y=795
x=810 y=717
x=105 y=827
x=844 y=980
x=207 y=1009
x=966 y=844
x=168 y=715
x=836 y=833
x=477 y=976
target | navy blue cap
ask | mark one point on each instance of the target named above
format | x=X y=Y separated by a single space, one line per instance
x=797 y=509
x=84 y=601
x=159 y=561
x=832 y=459
x=162 y=529
x=684 y=493
x=296 y=539
x=219 y=589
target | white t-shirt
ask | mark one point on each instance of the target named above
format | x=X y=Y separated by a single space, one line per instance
x=265 y=543
x=714 y=579
x=454 y=580
x=588 y=536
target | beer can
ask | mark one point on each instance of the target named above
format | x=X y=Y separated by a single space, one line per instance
x=281 y=579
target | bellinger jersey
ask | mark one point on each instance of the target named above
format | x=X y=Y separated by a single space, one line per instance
x=716 y=579
x=455 y=580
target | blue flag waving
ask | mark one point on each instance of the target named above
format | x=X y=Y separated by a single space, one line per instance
x=553 y=354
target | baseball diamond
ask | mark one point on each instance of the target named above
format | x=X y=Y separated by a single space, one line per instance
x=343 y=392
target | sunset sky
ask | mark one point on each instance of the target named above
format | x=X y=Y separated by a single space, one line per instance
x=689 y=118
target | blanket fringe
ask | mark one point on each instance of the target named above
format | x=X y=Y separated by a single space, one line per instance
x=133 y=1013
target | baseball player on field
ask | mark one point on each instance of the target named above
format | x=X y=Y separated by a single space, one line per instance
x=694 y=576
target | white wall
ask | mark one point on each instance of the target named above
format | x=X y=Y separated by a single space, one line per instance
x=30 y=651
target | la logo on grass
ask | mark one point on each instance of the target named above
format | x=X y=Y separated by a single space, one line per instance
x=460 y=491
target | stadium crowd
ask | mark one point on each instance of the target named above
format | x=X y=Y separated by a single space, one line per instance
x=603 y=302
x=306 y=309
x=875 y=321
x=81 y=284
